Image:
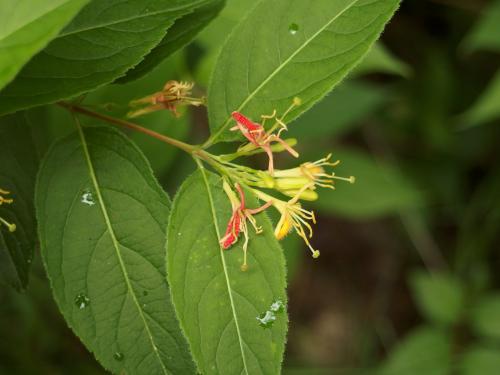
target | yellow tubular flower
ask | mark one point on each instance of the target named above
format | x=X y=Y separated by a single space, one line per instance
x=293 y=216
x=306 y=195
x=309 y=173
x=10 y=226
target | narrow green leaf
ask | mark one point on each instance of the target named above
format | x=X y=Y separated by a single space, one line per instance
x=284 y=49
x=27 y=27
x=486 y=108
x=216 y=302
x=380 y=189
x=105 y=40
x=439 y=296
x=484 y=35
x=180 y=34
x=426 y=350
x=18 y=168
x=485 y=317
x=102 y=219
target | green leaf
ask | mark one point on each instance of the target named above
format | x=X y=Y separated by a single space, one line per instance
x=339 y=112
x=484 y=35
x=379 y=189
x=485 y=108
x=381 y=60
x=180 y=34
x=102 y=219
x=214 y=36
x=485 y=317
x=105 y=40
x=426 y=350
x=480 y=360
x=211 y=41
x=284 y=49
x=216 y=302
x=439 y=296
x=27 y=27
x=18 y=168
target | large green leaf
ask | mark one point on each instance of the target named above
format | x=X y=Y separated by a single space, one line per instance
x=284 y=49
x=181 y=33
x=216 y=302
x=26 y=27
x=484 y=35
x=380 y=189
x=18 y=168
x=102 y=220
x=105 y=40
x=214 y=36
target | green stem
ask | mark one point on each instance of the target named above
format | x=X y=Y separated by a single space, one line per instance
x=190 y=149
x=193 y=150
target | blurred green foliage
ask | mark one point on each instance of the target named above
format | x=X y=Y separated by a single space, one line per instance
x=417 y=124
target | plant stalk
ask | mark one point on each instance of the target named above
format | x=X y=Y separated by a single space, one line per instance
x=190 y=149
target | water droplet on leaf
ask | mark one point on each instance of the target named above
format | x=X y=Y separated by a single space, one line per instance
x=82 y=301
x=266 y=320
x=118 y=356
x=88 y=198
x=293 y=28
x=277 y=306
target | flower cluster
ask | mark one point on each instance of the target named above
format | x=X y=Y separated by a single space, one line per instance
x=10 y=226
x=174 y=93
x=299 y=183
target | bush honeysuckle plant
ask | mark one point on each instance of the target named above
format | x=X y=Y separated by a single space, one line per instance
x=151 y=286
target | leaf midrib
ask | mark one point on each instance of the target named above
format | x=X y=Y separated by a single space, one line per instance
x=214 y=137
x=115 y=241
x=132 y=18
x=224 y=267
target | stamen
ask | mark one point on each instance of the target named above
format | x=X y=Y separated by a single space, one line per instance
x=290 y=150
x=3 y=199
x=10 y=226
x=300 y=232
x=308 y=226
x=244 y=266
x=264 y=118
x=350 y=179
x=253 y=211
